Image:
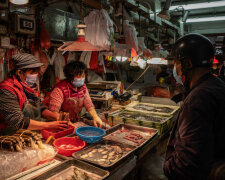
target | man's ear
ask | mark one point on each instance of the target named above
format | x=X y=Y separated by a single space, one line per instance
x=188 y=64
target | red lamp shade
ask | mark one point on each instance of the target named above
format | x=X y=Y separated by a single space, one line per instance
x=80 y=44
x=215 y=61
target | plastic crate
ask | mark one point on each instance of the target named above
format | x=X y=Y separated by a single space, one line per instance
x=162 y=127
x=57 y=134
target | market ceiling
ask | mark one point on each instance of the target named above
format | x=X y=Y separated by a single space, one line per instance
x=192 y=12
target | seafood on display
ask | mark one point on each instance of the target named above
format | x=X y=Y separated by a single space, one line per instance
x=69 y=146
x=153 y=108
x=75 y=173
x=141 y=117
x=105 y=154
x=20 y=140
x=80 y=174
x=130 y=136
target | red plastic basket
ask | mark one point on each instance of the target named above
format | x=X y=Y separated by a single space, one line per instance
x=57 y=134
x=69 y=141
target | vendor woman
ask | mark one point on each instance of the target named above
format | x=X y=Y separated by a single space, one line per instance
x=20 y=106
x=71 y=94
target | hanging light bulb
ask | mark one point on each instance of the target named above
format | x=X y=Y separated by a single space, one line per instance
x=19 y=2
x=80 y=44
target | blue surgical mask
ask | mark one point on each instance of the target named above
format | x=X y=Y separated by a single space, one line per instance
x=176 y=77
x=78 y=82
x=31 y=79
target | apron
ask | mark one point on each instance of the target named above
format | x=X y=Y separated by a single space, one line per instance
x=31 y=109
x=73 y=106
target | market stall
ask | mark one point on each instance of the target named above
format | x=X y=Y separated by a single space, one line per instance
x=119 y=153
x=82 y=96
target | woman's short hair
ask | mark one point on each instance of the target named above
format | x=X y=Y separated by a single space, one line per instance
x=73 y=69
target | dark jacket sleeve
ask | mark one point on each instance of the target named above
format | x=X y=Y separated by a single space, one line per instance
x=193 y=139
x=42 y=107
x=11 y=112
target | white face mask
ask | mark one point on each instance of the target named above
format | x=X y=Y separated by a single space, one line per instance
x=176 y=77
x=31 y=79
x=78 y=82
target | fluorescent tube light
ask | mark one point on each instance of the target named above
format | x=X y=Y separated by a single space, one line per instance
x=199 y=5
x=19 y=2
x=157 y=61
x=206 y=19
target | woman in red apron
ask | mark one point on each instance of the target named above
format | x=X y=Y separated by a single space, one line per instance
x=20 y=105
x=71 y=94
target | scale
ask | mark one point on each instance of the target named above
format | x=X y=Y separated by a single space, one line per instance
x=101 y=92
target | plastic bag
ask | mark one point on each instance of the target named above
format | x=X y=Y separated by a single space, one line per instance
x=142 y=48
x=130 y=35
x=12 y=163
x=99 y=28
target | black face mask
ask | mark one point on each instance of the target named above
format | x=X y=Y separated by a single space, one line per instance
x=187 y=81
x=215 y=71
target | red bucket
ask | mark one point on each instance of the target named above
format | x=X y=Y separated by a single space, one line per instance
x=68 y=145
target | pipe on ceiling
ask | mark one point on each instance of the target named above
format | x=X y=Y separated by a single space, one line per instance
x=167 y=5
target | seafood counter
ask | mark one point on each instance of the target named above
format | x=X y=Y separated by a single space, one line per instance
x=136 y=130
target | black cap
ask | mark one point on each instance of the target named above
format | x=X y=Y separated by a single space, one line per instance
x=195 y=47
x=25 y=61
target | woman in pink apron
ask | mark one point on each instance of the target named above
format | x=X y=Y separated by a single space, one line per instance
x=71 y=94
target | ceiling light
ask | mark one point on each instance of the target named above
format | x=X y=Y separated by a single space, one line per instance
x=19 y=2
x=157 y=61
x=80 y=44
x=199 y=5
x=206 y=19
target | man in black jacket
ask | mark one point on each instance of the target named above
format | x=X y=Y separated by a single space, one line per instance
x=197 y=139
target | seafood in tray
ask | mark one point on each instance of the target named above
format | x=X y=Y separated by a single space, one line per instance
x=20 y=140
x=131 y=135
x=75 y=173
x=158 y=109
x=140 y=117
x=106 y=153
x=73 y=170
x=153 y=109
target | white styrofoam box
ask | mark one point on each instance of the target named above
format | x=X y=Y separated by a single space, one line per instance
x=5 y=41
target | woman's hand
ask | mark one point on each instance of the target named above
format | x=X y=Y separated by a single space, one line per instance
x=57 y=125
x=52 y=116
x=97 y=121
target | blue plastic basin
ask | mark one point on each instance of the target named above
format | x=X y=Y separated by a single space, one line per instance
x=90 y=134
